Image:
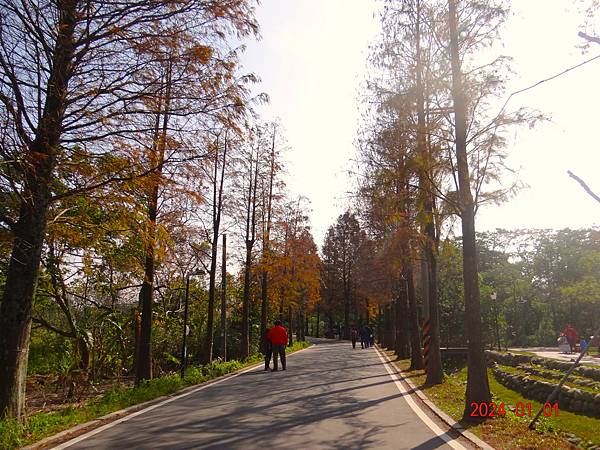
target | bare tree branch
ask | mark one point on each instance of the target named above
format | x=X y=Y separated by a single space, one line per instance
x=584 y=186
x=51 y=327
x=588 y=37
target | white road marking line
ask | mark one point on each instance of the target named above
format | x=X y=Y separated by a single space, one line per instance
x=417 y=410
x=150 y=408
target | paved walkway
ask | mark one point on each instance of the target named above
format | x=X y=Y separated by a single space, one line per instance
x=330 y=397
x=553 y=353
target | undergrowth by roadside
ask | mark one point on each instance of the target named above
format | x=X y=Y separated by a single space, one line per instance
x=44 y=424
x=510 y=431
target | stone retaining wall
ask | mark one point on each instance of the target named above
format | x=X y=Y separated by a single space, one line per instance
x=546 y=373
x=513 y=360
x=569 y=399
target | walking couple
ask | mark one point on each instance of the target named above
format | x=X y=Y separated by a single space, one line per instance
x=276 y=339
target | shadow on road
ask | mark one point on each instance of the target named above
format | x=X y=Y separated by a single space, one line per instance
x=330 y=397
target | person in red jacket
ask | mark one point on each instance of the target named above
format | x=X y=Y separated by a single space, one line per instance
x=572 y=336
x=279 y=339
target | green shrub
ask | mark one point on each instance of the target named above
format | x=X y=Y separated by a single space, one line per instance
x=10 y=433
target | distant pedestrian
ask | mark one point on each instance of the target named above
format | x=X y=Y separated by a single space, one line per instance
x=370 y=337
x=364 y=337
x=353 y=334
x=572 y=336
x=361 y=334
x=583 y=344
x=268 y=349
x=279 y=339
x=563 y=344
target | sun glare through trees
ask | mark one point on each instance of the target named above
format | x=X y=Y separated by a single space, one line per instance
x=190 y=187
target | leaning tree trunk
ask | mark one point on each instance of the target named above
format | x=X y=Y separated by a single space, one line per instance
x=30 y=228
x=478 y=389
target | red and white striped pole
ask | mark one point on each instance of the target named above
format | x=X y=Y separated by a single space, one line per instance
x=426 y=339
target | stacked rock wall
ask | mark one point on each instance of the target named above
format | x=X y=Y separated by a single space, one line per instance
x=569 y=399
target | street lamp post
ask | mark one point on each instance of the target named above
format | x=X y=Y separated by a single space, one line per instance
x=494 y=296
x=185 y=320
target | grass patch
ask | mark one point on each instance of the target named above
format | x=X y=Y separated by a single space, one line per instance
x=553 y=376
x=510 y=431
x=519 y=353
x=44 y=424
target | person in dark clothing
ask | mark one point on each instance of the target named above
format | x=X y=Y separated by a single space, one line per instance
x=365 y=336
x=371 y=336
x=279 y=339
x=268 y=349
x=353 y=334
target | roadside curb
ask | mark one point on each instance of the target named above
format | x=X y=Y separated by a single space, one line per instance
x=78 y=430
x=438 y=412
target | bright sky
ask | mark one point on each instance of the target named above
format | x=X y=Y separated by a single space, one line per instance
x=312 y=59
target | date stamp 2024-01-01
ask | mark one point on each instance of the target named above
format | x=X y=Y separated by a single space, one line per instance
x=493 y=409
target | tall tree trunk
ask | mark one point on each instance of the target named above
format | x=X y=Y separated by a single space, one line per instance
x=434 y=365
x=299 y=324
x=207 y=352
x=246 y=303
x=30 y=228
x=250 y=237
x=216 y=216
x=144 y=354
x=416 y=356
x=224 y=300
x=390 y=334
x=402 y=324
x=478 y=389
x=380 y=325
x=264 y=307
x=143 y=369
x=435 y=374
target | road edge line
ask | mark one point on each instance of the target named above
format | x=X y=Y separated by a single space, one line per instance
x=117 y=417
x=434 y=409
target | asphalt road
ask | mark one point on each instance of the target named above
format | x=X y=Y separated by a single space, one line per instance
x=330 y=397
